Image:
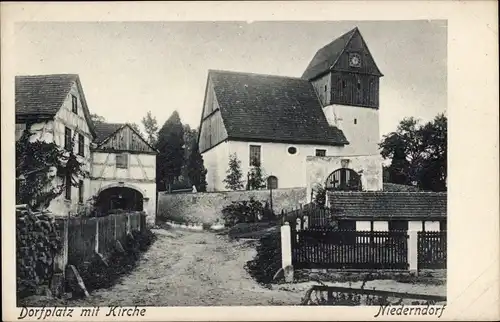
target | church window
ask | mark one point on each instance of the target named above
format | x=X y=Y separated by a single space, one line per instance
x=325 y=88
x=292 y=150
x=355 y=121
x=359 y=85
x=255 y=155
x=320 y=152
x=343 y=84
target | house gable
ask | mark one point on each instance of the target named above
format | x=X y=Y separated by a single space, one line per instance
x=123 y=139
x=45 y=97
x=212 y=128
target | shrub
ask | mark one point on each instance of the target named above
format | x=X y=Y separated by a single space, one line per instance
x=37 y=242
x=267 y=262
x=247 y=211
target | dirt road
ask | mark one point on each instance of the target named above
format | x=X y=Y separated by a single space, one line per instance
x=184 y=268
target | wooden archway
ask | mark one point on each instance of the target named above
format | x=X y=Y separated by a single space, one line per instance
x=343 y=179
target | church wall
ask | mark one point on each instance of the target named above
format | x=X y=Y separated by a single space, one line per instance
x=319 y=168
x=360 y=126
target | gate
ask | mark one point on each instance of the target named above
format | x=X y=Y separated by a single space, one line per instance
x=348 y=249
x=432 y=249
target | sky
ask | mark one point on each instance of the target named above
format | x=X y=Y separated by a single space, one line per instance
x=129 y=68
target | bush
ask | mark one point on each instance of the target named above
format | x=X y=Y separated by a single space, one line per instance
x=267 y=262
x=247 y=211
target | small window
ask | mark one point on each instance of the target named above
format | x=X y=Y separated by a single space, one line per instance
x=80 y=191
x=343 y=84
x=255 y=155
x=81 y=145
x=320 y=152
x=74 y=104
x=292 y=150
x=272 y=182
x=326 y=88
x=355 y=121
x=67 y=187
x=67 y=138
x=359 y=85
x=122 y=161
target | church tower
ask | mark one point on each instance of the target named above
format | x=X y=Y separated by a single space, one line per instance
x=346 y=79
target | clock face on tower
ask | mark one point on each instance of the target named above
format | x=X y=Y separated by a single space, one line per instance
x=354 y=60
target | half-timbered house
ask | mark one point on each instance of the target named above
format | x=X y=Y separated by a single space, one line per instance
x=123 y=174
x=331 y=112
x=121 y=164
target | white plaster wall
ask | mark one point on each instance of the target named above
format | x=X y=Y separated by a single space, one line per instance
x=319 y=168
x=363 y=136
x=363 y=226
x=415 y=225
x=380 y=225
x=216 y=161
x=140 y=167
x=432 y=226
x=289 y=169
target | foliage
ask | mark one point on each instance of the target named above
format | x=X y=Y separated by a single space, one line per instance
x=418 y=153
x=256 y=179
x=97 y=118
x=246 y=211
x=135 y=126
x=151 y=128
x=320 y=197
x=196 y=170
x=234 y=174
x=267 y=261
x=171 y=152
x=37 y=243
x=190 y=138
x=37 y=165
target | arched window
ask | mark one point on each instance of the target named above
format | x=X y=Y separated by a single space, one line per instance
x=343 y=180
x=272 y=182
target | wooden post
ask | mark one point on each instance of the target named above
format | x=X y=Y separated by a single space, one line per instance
x=286 y=252
x=60 y=260
x=413 y=251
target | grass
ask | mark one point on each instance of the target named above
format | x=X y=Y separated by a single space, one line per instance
x=251 y=230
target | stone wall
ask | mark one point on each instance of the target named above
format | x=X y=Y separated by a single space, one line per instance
x=207 y=207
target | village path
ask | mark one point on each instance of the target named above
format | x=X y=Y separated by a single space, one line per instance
x=187 y=268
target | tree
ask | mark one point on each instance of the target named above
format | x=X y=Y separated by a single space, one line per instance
x=171 y=152
x=418 y=153
x=190 y=138
x=97 y=118
x=151 y=128
x=38 y=165
x=196 y=170
x=234 y=174
x=256 y=177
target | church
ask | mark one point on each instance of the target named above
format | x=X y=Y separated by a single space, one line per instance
x=320 y=128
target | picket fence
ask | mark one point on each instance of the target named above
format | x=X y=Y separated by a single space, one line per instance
x=82 y=238
x=316 y=242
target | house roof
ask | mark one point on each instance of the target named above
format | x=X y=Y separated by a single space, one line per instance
x=327 y=57
x=267 y=108
x=104 y=130
x=41 y=96
x=389 y=205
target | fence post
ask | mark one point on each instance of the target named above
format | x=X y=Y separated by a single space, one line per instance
x=96 y=235
x=286 y=252
x=413 y=251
